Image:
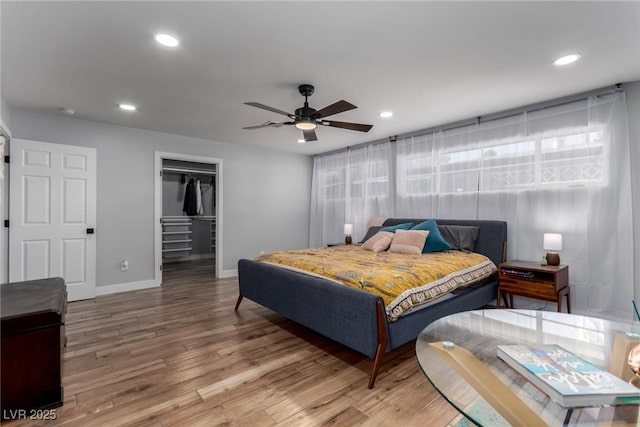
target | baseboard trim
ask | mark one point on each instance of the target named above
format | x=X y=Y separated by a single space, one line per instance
x=225 y=274
x=126 y=287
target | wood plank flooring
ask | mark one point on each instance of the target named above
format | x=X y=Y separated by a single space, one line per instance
x=180 y=356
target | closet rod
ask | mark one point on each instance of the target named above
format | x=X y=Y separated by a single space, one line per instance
x=185 y=170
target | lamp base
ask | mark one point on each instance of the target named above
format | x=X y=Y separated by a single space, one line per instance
x=553 y=258
x=347 y=240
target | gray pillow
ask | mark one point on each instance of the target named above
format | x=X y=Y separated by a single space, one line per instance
x=460 y=237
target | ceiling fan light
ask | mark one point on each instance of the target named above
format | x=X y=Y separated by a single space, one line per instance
x=306 y=124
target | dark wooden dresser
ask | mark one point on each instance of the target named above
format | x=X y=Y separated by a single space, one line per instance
x=33 y=315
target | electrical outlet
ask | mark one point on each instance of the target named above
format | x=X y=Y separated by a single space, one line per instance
x=124 y=265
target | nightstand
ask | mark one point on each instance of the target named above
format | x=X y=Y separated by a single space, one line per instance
x=532 y=280
x=343 y=244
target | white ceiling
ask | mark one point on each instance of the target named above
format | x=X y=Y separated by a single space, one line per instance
x=431 y=63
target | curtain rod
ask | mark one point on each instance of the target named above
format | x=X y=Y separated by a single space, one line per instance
x=491 y=116
x=519 y=110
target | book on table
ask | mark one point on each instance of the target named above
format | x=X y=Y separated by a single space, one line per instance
x=566 y=378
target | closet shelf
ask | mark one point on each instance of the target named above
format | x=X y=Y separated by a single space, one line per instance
x=177 y=241
x=177 y=249
x=177 y=232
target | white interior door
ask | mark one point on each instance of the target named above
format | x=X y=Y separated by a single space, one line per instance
x=52 y=213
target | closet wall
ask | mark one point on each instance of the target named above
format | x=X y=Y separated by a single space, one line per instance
x=188 y=237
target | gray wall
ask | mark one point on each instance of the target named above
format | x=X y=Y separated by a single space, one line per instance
x=265 y=193
x=633 y=105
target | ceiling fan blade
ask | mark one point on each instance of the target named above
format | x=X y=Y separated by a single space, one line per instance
x=346 y=125
x=335 y=108
x=277 y=125
x=268 y=124
x=266 y=107
x=309 y=135
x=256 y=127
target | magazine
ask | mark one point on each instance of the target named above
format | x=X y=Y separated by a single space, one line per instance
x=567 y=379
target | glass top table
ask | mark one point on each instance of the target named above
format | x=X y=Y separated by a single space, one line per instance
x=604 y=343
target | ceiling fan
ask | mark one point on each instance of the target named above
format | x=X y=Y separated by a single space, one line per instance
x=307 y=119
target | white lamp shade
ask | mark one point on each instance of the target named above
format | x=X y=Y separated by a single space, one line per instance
x=348 y=229
x=552 y=242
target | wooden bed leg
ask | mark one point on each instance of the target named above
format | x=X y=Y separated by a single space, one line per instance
x=238 y=302
x=383 y=339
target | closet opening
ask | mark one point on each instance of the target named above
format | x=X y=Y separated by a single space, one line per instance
x=188 y=210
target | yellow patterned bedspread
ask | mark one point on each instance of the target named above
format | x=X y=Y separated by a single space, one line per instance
x=405 y=282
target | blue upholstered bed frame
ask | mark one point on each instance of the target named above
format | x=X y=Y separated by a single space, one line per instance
x=356 y=318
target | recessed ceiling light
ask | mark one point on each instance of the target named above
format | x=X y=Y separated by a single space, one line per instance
x=301 y=141
x=567 y=59
x=69 y=111
x=127 y=107
x=167 y=40
x=386 y=114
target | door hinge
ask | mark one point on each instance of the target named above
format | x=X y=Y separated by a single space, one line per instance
x=6 y=223
x=160 y=267
x=7 y=158
x=160 y=173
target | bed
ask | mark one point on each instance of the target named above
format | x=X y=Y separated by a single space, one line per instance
x=356 y=318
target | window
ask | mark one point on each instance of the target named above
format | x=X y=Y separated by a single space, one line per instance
x=371 y=179
x=571 y=159
x=366 y=176
x=333 y=183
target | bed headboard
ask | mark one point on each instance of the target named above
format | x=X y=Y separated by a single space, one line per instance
x=492 y=235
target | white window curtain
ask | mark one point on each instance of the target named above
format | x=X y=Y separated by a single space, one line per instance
x=349 y=187
x=563 y=169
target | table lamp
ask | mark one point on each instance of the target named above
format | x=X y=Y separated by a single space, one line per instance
x=348 y=230
x=552 y=243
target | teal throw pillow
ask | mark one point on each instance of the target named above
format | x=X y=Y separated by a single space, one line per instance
x=435 y=242
x=393 y=228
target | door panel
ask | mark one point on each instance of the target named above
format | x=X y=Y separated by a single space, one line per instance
x=36 y=158
x=37 y=200
x=74 y=161
x=36 y=259
x=74 y=253
x=52 y=202
x=74 y=201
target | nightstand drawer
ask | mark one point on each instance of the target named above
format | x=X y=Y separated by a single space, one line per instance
x=530 y=287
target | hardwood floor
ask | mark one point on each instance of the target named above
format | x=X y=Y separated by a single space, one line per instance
x=179 y=355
